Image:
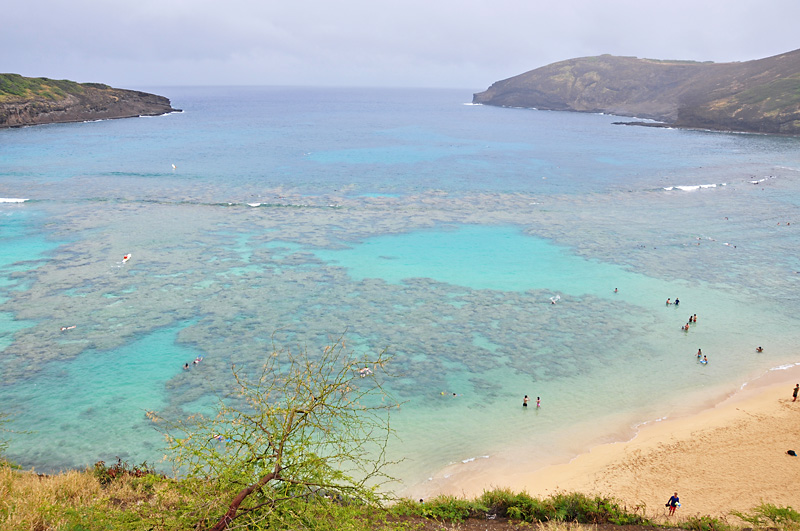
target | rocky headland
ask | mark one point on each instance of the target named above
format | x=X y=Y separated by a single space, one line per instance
x=761 y=96
x=33 y=101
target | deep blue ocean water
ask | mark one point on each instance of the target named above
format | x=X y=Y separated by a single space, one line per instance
x=409 y=221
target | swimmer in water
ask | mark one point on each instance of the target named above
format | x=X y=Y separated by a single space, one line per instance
x=668 y=303
x=186 y=366
x=759 y=349
x=699 y=353
x=538 y=402
x=705 y=360
x=525 y=401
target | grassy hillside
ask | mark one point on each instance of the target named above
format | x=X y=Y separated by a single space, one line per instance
x=757 y=96
x=14 y=87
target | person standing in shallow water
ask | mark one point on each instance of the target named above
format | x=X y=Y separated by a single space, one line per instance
x=525 y=401
x=794 y=393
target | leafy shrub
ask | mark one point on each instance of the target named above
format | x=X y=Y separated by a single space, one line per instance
x=705 y=523
x=768 y=514
x=562 y=507
x=106 y=474
x=441 y=507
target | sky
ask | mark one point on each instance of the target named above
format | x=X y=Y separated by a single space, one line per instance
x=371 y=43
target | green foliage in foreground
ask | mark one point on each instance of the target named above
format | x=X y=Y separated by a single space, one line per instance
x=15 y=86
x=769 y=515
x=90 y=501
x=562 y=507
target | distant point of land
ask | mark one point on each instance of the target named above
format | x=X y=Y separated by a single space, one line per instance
x=39 y=100
x=761 y=96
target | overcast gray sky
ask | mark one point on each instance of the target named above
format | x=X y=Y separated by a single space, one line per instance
x=409 y=43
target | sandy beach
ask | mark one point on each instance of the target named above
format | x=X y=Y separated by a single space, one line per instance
x=729 y=457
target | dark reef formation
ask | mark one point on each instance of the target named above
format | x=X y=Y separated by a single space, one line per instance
x=760 y=96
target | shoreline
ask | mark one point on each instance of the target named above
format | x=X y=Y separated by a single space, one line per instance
x=731 y=456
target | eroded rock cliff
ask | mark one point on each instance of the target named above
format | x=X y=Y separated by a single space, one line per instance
x=32 y=101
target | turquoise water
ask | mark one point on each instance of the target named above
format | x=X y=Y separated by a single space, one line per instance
x=101 y=395
x=409 y=222
x=487 y=258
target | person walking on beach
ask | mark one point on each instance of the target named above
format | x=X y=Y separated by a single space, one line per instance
x=794 y=393
x=673 y=503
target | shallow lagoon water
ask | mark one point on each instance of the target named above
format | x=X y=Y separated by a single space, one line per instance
x=436 y=231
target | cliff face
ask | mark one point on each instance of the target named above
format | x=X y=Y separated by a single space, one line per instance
x=32 y=101
x=758 y=96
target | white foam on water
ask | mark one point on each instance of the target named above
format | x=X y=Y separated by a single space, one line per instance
x=471 y=459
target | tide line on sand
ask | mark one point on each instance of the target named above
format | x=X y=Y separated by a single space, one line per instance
x=732 y=456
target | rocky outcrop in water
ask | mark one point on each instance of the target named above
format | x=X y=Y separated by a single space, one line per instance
x=33 y=101
x=756 y=96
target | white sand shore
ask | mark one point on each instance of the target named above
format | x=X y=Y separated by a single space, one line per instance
x=730 y=457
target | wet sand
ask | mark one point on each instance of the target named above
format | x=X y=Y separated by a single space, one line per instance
x=729 y=457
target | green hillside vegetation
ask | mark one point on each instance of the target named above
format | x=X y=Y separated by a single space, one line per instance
x=122 y=497
x=14 y=87
x=753 y=96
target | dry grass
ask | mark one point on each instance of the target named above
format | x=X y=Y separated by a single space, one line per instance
x=32 y=502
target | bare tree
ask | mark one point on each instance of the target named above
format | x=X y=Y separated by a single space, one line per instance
x=299 y=426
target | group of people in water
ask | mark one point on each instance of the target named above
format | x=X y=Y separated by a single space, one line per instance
x=197 y=360
x=526 y=400
x=692 y=318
